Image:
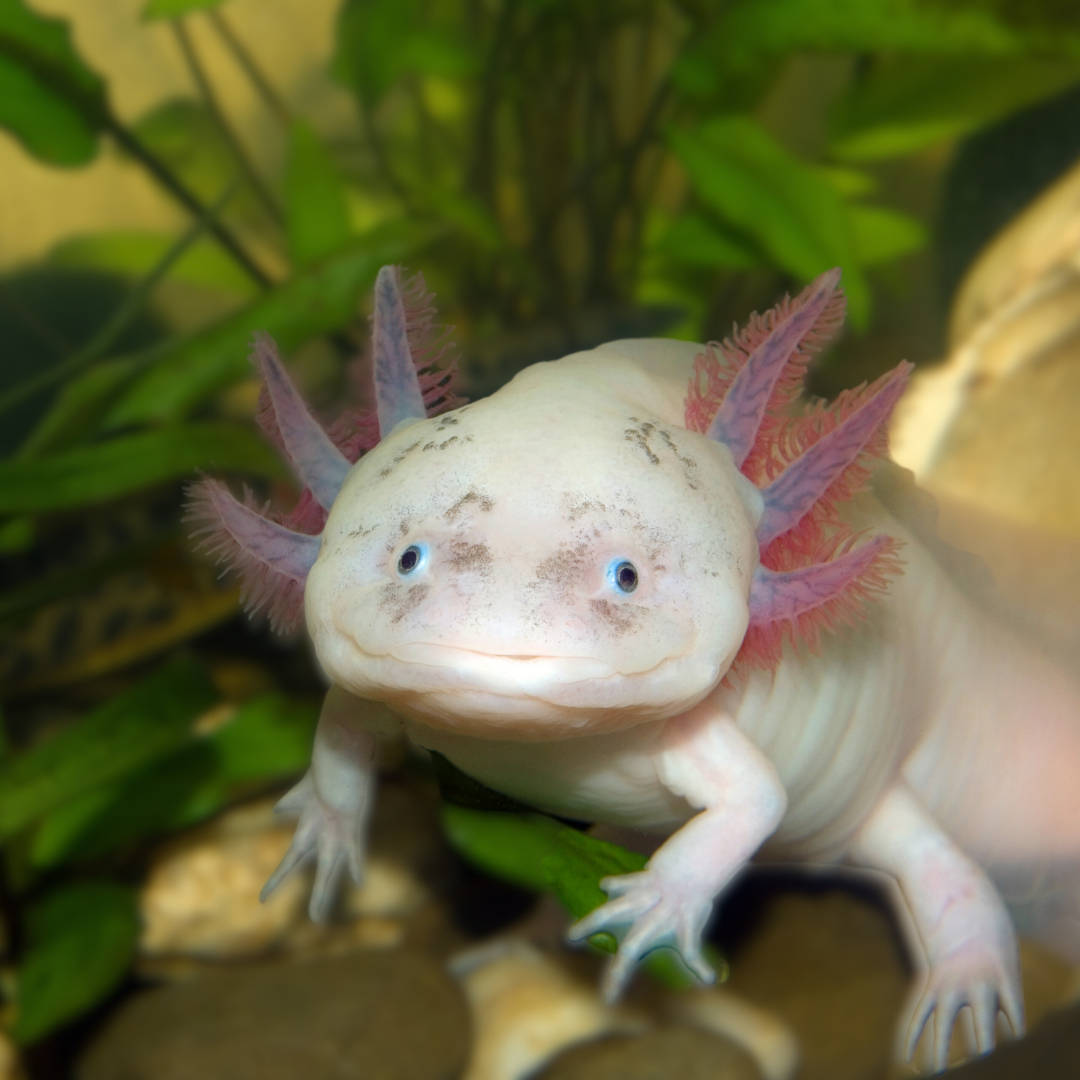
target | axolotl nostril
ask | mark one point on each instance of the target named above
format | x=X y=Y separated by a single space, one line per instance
x=672 y=604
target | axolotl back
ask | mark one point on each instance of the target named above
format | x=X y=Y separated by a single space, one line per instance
x=622 y=600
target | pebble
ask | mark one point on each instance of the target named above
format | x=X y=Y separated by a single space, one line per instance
x=527 y=1007
x=1050 y=1052
x=200 y=900
x=768 y=1040
x=682 y=1052
x=10 y=1061
x=371 y=1016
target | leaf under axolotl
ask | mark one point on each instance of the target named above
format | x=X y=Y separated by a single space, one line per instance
x=539 y=853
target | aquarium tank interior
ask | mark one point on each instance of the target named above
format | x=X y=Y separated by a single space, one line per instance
x=179 y=177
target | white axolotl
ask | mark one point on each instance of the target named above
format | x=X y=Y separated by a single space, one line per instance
x=615 y=600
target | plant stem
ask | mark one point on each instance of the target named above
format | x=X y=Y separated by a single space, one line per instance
x=210 y=99
x=107 y=336
x=259 y=81
x=130 y=143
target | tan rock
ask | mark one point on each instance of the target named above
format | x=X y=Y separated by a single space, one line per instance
x=11 y=1067
x=768 y=1040
x=386 y=1015
x=526 y=1008
x=686 y=1053
x=201 y=897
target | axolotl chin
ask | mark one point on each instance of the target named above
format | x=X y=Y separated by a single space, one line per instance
x=621 y=600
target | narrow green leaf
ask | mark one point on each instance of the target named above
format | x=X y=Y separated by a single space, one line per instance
x=50 y=100
x=144 y=723
x=173 y=9
x=316 y=204
x=267 y=741
x=130 y=462
x=77 y=408
x=904 y=105
x=694 y=241
x=882 y=235
x=790 y=211
x=81 y=940
x=135 y=254
x=324 y=297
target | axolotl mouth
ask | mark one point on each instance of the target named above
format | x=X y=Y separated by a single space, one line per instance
x=528 y=697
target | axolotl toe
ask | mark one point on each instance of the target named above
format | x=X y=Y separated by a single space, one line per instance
x=673 y=603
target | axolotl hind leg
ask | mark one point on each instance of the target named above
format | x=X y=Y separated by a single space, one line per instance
x=971 y=957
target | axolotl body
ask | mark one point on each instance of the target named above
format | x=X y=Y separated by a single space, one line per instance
x=562 y=588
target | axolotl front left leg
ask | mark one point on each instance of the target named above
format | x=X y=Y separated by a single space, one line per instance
x=335 y=797
x=705 y=758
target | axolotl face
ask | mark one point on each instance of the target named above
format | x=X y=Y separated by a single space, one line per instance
x=552 y=559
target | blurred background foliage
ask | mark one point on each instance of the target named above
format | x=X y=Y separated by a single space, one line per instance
x=180 y=173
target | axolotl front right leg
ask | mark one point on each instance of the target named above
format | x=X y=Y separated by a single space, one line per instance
x=704 y=757
x=335 y=797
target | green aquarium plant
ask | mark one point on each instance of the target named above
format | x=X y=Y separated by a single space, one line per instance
x=565 y=172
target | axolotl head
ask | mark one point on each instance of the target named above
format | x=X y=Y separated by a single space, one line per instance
x=559 y=556
x=581 y=551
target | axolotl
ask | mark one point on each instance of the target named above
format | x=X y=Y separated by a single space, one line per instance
x=670 y=603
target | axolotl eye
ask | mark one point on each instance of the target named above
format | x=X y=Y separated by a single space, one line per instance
x=411 y=559
x=623 y=575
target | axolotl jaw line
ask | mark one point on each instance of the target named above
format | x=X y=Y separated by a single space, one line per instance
x=461 y=542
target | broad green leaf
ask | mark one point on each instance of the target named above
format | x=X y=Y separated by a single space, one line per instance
x=378 y=41
x=135 y=254
x=173 y=9
x=536 y=852
x=316 y=202
x=127 y=463
x=575 y=869
x=139 y=725
x=324 y=297
x=903 y=105
x=783 y=204
x=268 y=740
x=693 y=240
x=508 y=846
x=50 y=100
x=882 y=235
x=81 y=941
x=752 y=29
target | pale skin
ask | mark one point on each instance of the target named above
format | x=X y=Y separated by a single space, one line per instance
x=505 y=644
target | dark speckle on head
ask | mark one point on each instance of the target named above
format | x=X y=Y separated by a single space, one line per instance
x=446 y=422
x=476 y=557
x=399 y=599
x=399 y=459
x=444 y=445
x=563 y=567
x=620 y=618
x=576 y=506
x=484 y=502
x=641 y=441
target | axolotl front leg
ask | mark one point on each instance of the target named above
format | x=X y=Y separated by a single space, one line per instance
x=705 y=758
x=334 y=799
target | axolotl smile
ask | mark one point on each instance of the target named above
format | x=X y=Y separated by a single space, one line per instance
x=519 y=565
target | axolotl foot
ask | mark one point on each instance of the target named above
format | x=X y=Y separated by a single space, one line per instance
x=981 y=973
x=334 y=835
x=653 y=911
